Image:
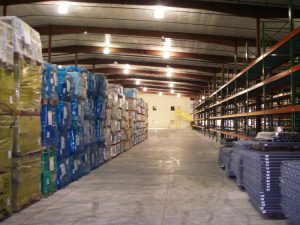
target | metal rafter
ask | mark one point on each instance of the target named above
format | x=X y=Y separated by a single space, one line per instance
x=238 y=9
x=73 y=49
x=206 y=38
x=97 y=61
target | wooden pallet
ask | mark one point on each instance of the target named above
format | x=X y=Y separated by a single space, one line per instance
x=29 y=202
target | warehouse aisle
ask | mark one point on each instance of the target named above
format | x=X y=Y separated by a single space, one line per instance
x=173 y=178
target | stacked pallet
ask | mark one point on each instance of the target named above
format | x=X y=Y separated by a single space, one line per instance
x=20 y=107
x=141 y=123
x=290 y=190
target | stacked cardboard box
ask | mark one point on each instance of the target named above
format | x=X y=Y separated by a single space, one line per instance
x=20 y=100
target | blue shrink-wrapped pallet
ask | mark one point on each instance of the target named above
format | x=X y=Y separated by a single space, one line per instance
x=49 y=82
x=64 y=173
x=89 y=108
x=76 y=166
x=64 y=143
x=261 y=178
x=91 y=87
x=86 y=163
x=77 y=113
x=95 y=156
x=290 y=190
x=61 y=75
x=49 y=130
x=64 y=115
x=101 y=85
x=99 y=105
x=76 y=141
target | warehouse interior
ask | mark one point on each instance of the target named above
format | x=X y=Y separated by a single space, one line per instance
x=150 y=112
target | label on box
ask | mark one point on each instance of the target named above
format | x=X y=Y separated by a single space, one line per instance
x=62 y=142
x=75 y=165
x=51 y=163
x=8 y=202
x=48 y=181
x=10 y=100
x=9 y=153
x=48 y=134
x=68 y=85
x=51 y=81
x=63 y=169
x=50 y=118
x=65 y=112
x=77 y=140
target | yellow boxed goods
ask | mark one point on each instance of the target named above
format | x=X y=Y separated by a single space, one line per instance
x=5 y=194
x=27 y=135
x=6 y=140
x=7 y=90
x=26 y=182
x=28 y=86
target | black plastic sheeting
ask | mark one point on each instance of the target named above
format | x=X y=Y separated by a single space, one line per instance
x=290 y=190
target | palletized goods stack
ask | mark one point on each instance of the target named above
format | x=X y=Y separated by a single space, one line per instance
x=141 y=125
x=131 y=97
x=290 y=190
x=20 y=98
x=49 y=127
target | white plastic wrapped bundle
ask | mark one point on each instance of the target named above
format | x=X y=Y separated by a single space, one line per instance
x=115 y=126
x=6 y=45
x=116 y=114
x=26 y=41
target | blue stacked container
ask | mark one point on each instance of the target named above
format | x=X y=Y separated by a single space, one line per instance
x=49 y=129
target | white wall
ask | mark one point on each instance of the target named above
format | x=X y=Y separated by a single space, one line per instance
x=164 y=117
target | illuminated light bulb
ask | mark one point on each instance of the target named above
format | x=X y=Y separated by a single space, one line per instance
x=171 y=85
x=63 y=8
x=167 y=44
x=144 y=89
x=159 y=12
x=85 y=32
x=106 y=51
x=169 y=72
x=59 y=66
x=126 y=71
x=166 y=55
x=137 y=82
x=203 y=97
x=172 y=91
x=178 y=95
x=107 y=40
x=160 y=94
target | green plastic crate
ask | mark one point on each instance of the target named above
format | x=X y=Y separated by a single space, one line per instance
x=5 y=196
x=49 y=161
x=48 y=182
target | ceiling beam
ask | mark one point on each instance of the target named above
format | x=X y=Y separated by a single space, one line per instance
x=73 y=49
x=157 y=74
x=97 y=61
x=206 y=38
x=237 y=9
x=156 y=91
x=160 y=83
x=137 y=76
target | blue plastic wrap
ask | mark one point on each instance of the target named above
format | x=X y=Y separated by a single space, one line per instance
x=99 y=101
x=76 y=141
x=100 y=85
x=49 y=132
x=77 y=113
x=77 y=166
x=91 y=89
x=64 y=174
x=89 y=108
x=64 y=143
x=61 y=75
x=86 y=163
x=130 y=92
x=49 y=82
x=64 y=115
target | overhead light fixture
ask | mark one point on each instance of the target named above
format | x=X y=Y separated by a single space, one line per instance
x=167 y=44
x=172 y=91
x=166 y=55
x=203 y=97
x=85 y=32
x=126 y=70
x=59 y=66
x=160 y=94
x=137 y=82
x=171 y=85
x=145 y=89
x=178 y=95
x=159 y=12
x=106 y=51
x=63 y=8
x=169 y=71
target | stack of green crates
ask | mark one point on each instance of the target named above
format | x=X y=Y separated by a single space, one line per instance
x=5 y=194
x=49 y=170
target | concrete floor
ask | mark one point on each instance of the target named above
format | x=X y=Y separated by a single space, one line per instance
x=173 y=178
